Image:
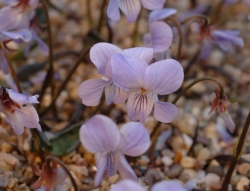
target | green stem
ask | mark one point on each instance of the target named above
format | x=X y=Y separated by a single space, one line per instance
x=199 y=16
x=237 y=154
x=177 y=23
x=101 y=15
x=49 y=77
x=65 y=82
x=57 y=160
x=13 y=72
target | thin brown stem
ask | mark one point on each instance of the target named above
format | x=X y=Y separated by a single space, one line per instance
x=101 y=15
x=237 y=154
x=13 y=72
x=135 y=33
x=177 y=23
x=65 y=82
x=199 y=16
x=49 y=77
x=57 y=160
x=195 y=82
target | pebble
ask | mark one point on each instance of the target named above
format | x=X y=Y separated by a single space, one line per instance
x=212 y=180
x=113 y=179
x=188 y=162
x=242 y=184
x=244 y=168
x=216 y=170
x=3 y=181
x=187 y=174
x=177 y=143
x=166 y=161
x=9 y=159
x=174 y=171
x=235 y=179
x=204 y=154
x=167 y=152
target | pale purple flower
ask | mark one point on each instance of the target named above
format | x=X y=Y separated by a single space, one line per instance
x=230 y=2
x=169 y=185
x=225 y=39
x=145 y=82
x=91 y=90
x=18 y=110
x=17 y=15
x=161 y=35
x=131 y=8
x=101 y=136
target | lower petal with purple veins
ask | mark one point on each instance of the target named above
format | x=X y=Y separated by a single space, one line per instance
x=115 y=94
x=165 y=112
x=101 y=163
x=139 y=105
x=125 y=170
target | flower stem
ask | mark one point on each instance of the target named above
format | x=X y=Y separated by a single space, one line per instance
x=177 y=23
x=101 y=16
x=183 y=92
x=49 y=77
x=239 y=148
x=13 y=72
x=57 y=160
x=65 y=82
x=135 y=33
x=195 y=82
x=199 y=16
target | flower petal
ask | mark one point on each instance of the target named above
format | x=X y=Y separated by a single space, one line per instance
x=161 y=36
x=161 y=14
x=60 y=176
x=127 y=73
x=25 y=35
x=228 y=120
x=113 y=10
x=141 y=53
x=113 y=161
x=101 y=164
x=90 y=91
x=164 y=77
x=44 y=49
x=22 y=99
x=28 y=117
x=126 y=185
x=169 y=185
x=9 y=18
x=125 y=169
x=15 y=123
x=130 y=8
x=101 y=53
x=100 y=134
x=134 y=139
x=139 y=105
x=4 y=63
x=165 y=112
x=115 y=94
x=153 y=4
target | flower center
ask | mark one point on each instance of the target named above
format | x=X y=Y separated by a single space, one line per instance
x=7 y=102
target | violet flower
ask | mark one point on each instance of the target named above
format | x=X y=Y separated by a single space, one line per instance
x=131 y=8
x=90 y=91
x=17 y=14
x=221 y=103
x=225 y=39
x=18 y=110
x=145 y=82
x=101 y=136
x=169 y=185
x=160 y=36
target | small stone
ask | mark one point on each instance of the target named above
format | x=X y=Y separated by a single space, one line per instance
x=158 y=161
x=9 y=159
x=212 y=180
x=177 y=143
x=166 y=161
x=174 y=171
x=144 y=160
x=235 y=179
x=242 y=184
x=114 y=178
x=3 y=181
x=216 y=170
x=204 y=154
x=188 y=162
x=167 y=152
x=187 y=174
x=244 y=168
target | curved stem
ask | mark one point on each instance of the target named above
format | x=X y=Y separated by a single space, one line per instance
x=13 y=72
x=199 y=16
x=183 y=92
x=50 y=73
x=101 y=16
x=65 y=82
x=57 y=160
x=177 y=23
x=195 y=82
